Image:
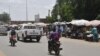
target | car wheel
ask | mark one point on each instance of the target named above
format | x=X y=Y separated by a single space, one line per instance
x=38 y=39
x=24 y=39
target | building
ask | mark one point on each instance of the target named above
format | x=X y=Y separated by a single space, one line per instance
x=44 y=20
x=37 y=18
x=20 y=22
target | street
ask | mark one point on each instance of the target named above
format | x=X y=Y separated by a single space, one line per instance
x=71 y=47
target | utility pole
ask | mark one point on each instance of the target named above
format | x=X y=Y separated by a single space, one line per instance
x=26 y=11
x=9 y=7
x=9 y=12
x=49 y=13
x=58 y=16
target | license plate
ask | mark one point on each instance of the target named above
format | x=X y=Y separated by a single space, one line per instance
x=33 y=36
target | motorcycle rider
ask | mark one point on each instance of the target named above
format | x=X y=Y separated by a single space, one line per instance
x=13 y=37
x=54 y=38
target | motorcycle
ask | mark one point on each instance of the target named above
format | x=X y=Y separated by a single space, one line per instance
x=54 y=46
x=13 y=40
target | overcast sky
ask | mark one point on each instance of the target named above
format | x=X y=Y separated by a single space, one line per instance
x=18 y=8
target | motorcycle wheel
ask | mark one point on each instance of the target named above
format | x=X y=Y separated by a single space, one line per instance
x=12 y=43
x=50 y=50
x=57 y=52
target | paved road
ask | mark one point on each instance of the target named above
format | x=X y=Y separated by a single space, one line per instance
x=71 y=47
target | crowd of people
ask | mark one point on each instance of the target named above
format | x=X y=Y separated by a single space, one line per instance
x=77 y=32
x=55 y=32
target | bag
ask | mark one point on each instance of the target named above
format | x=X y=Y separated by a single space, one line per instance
x=13 y=32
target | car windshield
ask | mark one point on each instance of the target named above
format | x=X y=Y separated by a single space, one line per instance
x=29 y=27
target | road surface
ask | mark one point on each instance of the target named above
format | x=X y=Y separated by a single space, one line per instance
x=71 y=47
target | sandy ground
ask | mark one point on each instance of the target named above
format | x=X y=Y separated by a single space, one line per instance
x=2 y=54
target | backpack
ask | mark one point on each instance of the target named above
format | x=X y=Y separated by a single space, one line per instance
x=13 y=32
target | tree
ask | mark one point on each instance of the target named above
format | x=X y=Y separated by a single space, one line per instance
x=86 y=9
x=64 y=9
x=78 y=9
x=49 y=19
x=5 y=17
x=98 y=17
x=66 y=12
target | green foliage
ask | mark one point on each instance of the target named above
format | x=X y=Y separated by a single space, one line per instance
x=66 y=12
x=49 y=19
x=55 y=13
x=98 y=17
x=4 y=17
x=64 y=9
x=79 y=9
x=87 y=9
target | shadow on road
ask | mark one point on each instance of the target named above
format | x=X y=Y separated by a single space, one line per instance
x=12 y=46
x=53 y=54
x=28 y=41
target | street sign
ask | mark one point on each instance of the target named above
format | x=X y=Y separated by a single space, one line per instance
x=58 y=17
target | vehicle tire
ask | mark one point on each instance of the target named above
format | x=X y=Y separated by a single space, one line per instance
x=31 y=39
x=13 y=43
x=38 y=39
x=24 y=39
x=50 y=51
x=18 y=37
x=57 y=52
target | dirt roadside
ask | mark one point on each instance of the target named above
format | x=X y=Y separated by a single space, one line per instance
x=2 y=54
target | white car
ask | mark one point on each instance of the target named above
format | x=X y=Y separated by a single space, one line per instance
x=3 y=30
x=29 y=31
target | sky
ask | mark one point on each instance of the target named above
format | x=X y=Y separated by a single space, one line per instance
x=17 y=8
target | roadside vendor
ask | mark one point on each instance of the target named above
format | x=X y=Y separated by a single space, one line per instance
x=95 y=34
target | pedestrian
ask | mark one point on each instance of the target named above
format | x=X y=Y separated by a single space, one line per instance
x=95 y=34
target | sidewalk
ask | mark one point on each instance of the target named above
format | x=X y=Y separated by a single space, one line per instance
x=1 y=54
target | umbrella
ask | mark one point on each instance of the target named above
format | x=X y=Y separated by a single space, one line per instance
x=56 y=23
x=63 y=23
x=93 y=23
x=79 y=22
x=40 y=24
